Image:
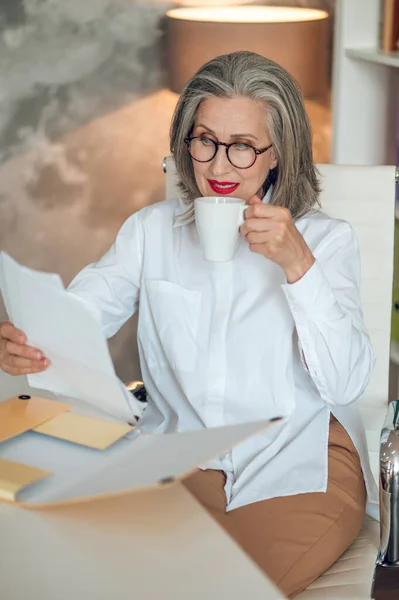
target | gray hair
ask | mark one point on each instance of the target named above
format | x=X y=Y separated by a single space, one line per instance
x=295 y=179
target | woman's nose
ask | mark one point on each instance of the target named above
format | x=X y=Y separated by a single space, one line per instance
x=220 y=163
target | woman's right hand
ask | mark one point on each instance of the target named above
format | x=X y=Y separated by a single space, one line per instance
x=16 y=357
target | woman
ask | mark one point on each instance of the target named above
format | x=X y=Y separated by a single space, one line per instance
x=278 y=330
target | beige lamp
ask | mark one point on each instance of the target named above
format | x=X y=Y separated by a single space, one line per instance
x=296 y=38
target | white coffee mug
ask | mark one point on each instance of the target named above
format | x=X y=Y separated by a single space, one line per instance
x=218 y=219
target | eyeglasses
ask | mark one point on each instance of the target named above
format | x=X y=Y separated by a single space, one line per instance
x=240 y=155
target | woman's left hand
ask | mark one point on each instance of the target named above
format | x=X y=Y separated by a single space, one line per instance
x=271 y=231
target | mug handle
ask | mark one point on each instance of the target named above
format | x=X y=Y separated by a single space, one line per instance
x=241 y=213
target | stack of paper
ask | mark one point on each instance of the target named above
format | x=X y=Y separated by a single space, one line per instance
x=60 y=325
x=45 y=470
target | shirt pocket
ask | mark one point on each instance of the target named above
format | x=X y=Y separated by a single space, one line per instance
x=172 y=325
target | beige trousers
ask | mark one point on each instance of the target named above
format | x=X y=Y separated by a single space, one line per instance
x=294 y=538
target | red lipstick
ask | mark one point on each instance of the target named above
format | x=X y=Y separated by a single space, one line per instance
x=223 y=187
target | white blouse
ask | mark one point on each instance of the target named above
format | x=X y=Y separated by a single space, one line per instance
x=224 y=343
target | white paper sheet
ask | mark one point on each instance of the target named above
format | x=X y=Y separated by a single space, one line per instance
x=69 y=336
x=128 y=465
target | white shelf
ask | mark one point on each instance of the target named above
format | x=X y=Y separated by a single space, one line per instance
x=365 y=88
x=373 y=55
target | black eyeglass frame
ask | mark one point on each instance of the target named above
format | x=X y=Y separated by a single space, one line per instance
x=188 y=141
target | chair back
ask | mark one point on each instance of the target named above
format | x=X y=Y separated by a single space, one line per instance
x=365 y=197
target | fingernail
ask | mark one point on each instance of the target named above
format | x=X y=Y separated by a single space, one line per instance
x=38 y=355
x=46 y=362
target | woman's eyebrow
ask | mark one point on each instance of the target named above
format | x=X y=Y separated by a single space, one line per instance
x=234 y=135
x=207 y=128
x=244 y=135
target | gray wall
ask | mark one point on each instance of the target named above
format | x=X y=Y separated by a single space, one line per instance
x=84 y=120
x=61 y=63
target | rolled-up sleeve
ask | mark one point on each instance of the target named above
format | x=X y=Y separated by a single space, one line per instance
x=326 y=307
x=110 y=287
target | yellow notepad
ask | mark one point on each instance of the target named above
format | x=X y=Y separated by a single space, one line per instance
x=86 y=431
x=14 y=476
x=24 y=412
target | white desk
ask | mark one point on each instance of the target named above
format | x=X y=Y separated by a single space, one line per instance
x=145 y=545
x=148 y=545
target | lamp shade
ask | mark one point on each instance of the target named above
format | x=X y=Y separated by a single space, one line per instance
x=296 y=38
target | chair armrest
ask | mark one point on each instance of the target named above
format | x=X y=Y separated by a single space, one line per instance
x=389 y=488
x=386 y=575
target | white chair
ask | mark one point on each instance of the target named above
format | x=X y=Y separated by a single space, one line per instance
x=365 y=197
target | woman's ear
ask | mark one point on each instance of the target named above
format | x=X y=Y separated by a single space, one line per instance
x=273 y=160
